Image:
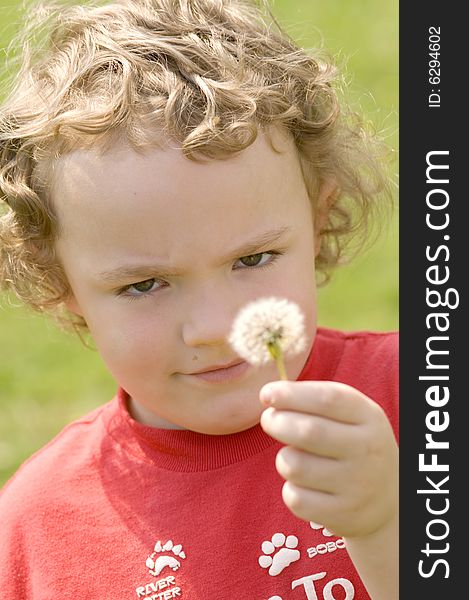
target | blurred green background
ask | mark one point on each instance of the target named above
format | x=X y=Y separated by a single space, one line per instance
x=48 y=378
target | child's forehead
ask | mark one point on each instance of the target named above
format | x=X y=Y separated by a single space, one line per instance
x=102 y=170
x=116 y=188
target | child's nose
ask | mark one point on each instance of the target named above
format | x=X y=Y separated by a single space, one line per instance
x=207 y=328
x=208 y=321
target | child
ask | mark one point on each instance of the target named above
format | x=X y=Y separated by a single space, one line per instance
x=164 y=163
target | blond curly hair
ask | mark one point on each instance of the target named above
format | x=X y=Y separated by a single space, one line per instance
x=208 y=74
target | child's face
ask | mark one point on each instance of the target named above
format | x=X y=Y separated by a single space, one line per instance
x=161 y=253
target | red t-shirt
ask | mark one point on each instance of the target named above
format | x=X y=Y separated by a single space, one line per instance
x=113 y=509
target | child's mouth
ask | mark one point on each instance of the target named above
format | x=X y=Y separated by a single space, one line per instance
x=222 y=374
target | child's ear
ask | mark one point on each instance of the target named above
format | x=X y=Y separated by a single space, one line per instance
x=328 y=193
x=72 y=304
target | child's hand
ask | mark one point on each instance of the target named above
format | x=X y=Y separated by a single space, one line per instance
x=341 y=458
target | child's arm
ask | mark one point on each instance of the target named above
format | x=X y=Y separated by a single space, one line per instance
x=341 y=470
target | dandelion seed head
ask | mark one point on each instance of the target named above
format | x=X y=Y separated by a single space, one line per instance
x=267 y=321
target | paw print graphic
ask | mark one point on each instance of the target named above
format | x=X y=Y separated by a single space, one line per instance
x=157 y=563
x=279 y=553
x=325 y=531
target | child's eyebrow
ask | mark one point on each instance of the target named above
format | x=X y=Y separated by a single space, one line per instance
x=125 y=272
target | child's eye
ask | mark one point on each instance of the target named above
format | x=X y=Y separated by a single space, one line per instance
x=141 y=288
x=258 y=260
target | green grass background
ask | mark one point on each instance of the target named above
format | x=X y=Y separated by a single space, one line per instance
x=48 y=378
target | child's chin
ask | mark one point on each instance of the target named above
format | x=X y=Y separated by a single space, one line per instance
x=226 y=427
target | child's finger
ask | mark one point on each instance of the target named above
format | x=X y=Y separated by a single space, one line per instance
x=327 y=399
x=313 y=434
x=311 y=471
x=304 y=503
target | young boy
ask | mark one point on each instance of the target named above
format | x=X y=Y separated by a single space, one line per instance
x=164 y=163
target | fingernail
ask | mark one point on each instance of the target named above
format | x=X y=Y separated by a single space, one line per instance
x=267 y=395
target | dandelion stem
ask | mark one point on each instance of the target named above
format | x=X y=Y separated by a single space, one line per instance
x=281 y=367
x=277 y=354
